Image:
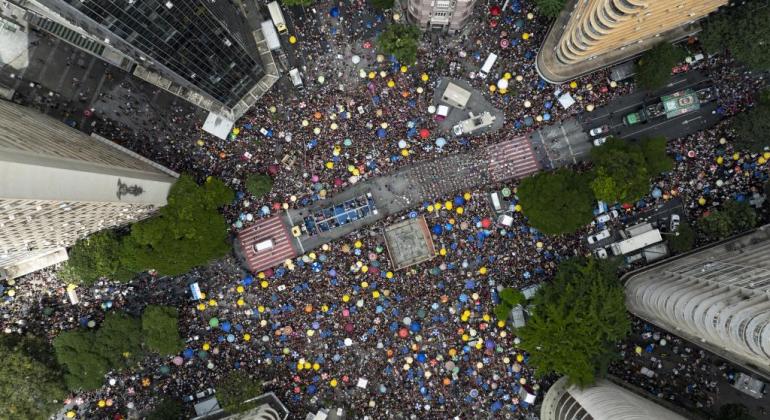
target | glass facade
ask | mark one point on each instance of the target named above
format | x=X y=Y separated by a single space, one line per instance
x=186 y=36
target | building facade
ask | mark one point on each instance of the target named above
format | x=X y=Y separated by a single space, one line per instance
x=439 y=15
x=717 y=297
x=205 y=52
x=601 y=401
x=58 y=184
x=591 y=34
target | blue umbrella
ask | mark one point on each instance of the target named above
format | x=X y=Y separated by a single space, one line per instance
x=415 y=326
x=381 y=133
x=438 y=230
x=656 y=193
x=421 y=357
x=247 y=281
x=188 y=353
x=225 y=326
x=459 y=200
x=528 y=121
x=546 y=116
x=230 y=338
x=440 y=142
x=334 y=12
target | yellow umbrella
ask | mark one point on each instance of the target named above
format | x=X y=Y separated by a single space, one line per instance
x=403 y=69
x=292 y=39
x=424 y=77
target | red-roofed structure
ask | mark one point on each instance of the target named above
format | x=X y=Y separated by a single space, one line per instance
x=269 y=229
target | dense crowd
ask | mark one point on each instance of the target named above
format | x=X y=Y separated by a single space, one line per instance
x=424 y=339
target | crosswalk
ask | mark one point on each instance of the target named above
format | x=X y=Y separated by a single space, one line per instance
x=271 y=228
x=512 y=159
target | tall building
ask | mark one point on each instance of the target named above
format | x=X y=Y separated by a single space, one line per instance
x=591 y=34
x=203 y=51
x=58 y=184
x=602 y=401
x=440 y=15
x=717 y=297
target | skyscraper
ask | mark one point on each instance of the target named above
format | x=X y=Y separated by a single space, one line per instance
x=717 y=297
x=58 y=185
x=442 y=15
x=591 y=34
x=602 y=401
x=203 y=51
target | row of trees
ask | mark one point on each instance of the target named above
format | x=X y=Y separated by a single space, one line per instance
x=562 y=201
x=742 y=31
x=121 y=340
x=187 y=232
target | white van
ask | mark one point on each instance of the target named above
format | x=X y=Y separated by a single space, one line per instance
x=487 y=67
x=496 y=202
x=296 y=79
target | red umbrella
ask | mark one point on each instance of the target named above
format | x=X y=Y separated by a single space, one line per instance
x=337 y=182
x=495 y=10
x=273 y=169
x=349 y=327
x=424 y=133
x=276 y=206
x=486 y=223
x=626 y=206
x=367 y=45
x=403 y=333
x=493 y=23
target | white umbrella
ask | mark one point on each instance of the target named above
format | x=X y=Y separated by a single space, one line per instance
x=356 y=59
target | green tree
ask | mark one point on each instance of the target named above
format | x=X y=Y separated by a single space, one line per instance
x=161 y=330
x=31 y=386
x=556 y=202
x=88 y=355
x=291 y=3
x=654 y=150
x=683 y=239
x=742 y=31
x=187 y=232
x=509 y=297
x=753 y=125
x=92 y=258
x=235 y=388
x=382 y=4
x=400 y=41
x=576 y=322
x=734 y=217
x=653 y=70
x=620 y=172
x=167 y=409
x=259 y=184
x=734 y=412
x=550 y=8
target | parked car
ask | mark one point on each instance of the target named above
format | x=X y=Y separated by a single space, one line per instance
x=603 y=218
x=675 y=220
x=599 y=236
x=599 y=130
x=600 y=141
x=601 y=253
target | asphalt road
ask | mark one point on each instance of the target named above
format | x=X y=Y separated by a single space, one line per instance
x=612 y=114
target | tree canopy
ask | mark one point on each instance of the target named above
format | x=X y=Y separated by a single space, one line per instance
x=161 y=330
x=550 y=8
x=382 y=4
x=742 y=31
x=620 y=172
x=400 y=41
x=734 y=412
x=734 y=217
x=576 y=321
x=92 y=258
x=556 y=202
x=187 y=232
x=291 y=3
x=89 y=355
x=235 y=388
x=31 y=382
x=654 y=150
x=683 y=239
x=653 y=70
x=509 y=297
x=259 y=184
x=167 y=409
x=753 y=125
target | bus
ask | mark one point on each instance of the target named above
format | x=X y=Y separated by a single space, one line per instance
x=275 y=14
x=487 y=67
x=636 y=243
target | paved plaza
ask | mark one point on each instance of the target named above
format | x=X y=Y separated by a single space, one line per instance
x=409 y=242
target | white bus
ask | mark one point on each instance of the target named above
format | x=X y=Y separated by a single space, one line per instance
x=275 y=14
x=487 y=67
x=636 y=243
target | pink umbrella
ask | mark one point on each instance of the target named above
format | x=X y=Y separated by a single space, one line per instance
x=314 y=178
x=178 y=361
x=504 y=43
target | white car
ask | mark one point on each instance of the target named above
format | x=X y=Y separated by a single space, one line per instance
x=600 y=141
x=601 y=253
x=675 y=219
x=592 y=239
x=603 y=218
x=598 y=130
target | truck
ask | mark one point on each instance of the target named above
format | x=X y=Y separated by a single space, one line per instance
x=671 y=106
x=487 y=67
x=274 y=44
x=277 y=16
x=475 y=122
x=636 y=243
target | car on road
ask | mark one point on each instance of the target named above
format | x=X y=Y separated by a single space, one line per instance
x=600 y=141
x=592 y=239
x=674 y=224
x=599 y=130
x=606 y=217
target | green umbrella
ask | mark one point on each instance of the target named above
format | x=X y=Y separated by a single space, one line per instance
x=214 y=322
x=506 y=192
x=165 y=370
x=203 y=355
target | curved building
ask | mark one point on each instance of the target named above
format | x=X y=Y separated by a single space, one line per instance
x=591 y=34
x=717 y=297
x=602 y=401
